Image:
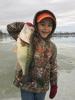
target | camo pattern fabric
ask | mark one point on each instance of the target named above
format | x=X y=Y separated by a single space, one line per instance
x=43 y=69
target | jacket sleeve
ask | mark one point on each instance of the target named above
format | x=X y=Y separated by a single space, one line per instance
x=53 y=66
x=15 y=28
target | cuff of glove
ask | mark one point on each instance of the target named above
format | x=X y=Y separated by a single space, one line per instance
x=53 y=91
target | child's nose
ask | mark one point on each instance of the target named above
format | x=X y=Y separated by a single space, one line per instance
x=46 y=27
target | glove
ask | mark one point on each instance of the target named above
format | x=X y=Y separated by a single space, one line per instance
x=53 y=91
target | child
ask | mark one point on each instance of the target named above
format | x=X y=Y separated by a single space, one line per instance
x=43 y=69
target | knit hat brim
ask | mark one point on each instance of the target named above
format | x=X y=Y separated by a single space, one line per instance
x=43 y=16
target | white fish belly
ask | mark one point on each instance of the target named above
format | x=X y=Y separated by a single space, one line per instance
x=24 y=57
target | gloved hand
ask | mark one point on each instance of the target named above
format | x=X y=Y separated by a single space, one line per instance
x=53 y=91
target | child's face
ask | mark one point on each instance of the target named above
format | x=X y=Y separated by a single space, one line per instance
x=45 y=27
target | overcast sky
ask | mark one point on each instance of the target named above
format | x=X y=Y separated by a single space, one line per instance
x=24 y=10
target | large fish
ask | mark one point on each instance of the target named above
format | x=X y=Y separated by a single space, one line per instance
x=24 y=48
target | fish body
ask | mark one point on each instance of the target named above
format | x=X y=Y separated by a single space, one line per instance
x=24 y=56
x=24 y=49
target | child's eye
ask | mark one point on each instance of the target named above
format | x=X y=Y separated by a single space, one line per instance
x=42 y=24
x=50 y=24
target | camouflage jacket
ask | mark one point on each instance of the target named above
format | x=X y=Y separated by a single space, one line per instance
x=43 y=69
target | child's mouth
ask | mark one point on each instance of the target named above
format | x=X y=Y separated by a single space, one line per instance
x=45 y=32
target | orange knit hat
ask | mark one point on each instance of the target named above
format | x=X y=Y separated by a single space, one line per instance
x=43 y=16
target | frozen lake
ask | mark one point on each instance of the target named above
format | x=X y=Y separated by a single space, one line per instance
x=66 y=69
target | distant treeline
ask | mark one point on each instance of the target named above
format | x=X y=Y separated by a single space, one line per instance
x=59 y=34
x=3 y=35
x=64 y=34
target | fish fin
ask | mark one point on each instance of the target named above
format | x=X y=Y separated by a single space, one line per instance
x=23 y=43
